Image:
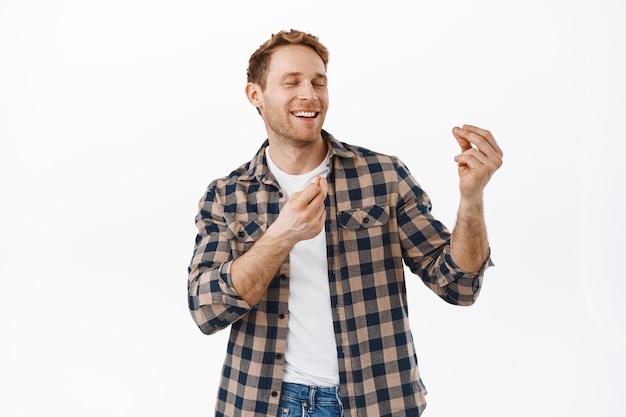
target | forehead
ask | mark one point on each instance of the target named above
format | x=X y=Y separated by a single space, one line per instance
x=295 y=59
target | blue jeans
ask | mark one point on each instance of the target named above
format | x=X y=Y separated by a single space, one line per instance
x=303 y=401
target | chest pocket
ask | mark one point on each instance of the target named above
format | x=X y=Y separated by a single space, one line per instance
x=365 y=231
x=366 y=217
x=242 y=235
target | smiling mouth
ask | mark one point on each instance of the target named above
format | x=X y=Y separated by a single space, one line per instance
x=305 y=114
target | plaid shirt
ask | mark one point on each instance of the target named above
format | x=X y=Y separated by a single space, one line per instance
x=377 y=219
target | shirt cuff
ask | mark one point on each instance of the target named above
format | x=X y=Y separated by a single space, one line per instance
x=449 y=271
x=227 y=290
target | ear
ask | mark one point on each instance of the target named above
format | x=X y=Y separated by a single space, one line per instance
x=254 y=95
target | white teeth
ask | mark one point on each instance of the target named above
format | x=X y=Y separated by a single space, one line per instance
x=304 y=114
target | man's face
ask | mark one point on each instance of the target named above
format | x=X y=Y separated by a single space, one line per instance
x=295 y=99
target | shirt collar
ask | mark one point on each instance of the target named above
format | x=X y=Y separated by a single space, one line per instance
x=257 y=168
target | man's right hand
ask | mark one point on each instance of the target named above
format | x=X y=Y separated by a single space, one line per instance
x=304 y=214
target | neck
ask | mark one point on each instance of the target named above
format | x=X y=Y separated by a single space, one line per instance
x=298 y=160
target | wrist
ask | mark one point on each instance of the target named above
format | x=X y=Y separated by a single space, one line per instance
x=471 y=204
x=278 y=239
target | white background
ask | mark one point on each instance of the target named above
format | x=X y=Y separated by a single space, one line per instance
x=115 y=115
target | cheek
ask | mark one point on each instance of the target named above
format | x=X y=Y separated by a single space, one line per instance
x=275 y=101
x=323 y=97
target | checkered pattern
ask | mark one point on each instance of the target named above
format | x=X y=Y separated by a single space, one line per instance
x=378 y=219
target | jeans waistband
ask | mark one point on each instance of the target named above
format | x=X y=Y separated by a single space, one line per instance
x=310 y=394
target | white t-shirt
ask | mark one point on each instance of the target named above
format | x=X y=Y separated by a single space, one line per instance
x=311 y=355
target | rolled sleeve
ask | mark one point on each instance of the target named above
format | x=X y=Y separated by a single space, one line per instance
x=455 y=285
x=449 y=272
x=213 y=302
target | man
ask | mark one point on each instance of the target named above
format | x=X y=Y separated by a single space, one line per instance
x=301 y=251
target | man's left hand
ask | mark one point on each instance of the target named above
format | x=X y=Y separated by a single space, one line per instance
x=480 y=157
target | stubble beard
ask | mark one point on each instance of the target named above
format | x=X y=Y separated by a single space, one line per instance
x=287 y=133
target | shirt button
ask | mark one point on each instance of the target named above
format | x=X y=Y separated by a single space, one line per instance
x=281 y=316
x=274 y=394
x=241 y=234
x=283 y=277
x=280 y=194
x=279 y=355
x=366 y=220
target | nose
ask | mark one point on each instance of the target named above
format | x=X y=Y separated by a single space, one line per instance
x=307 y=92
